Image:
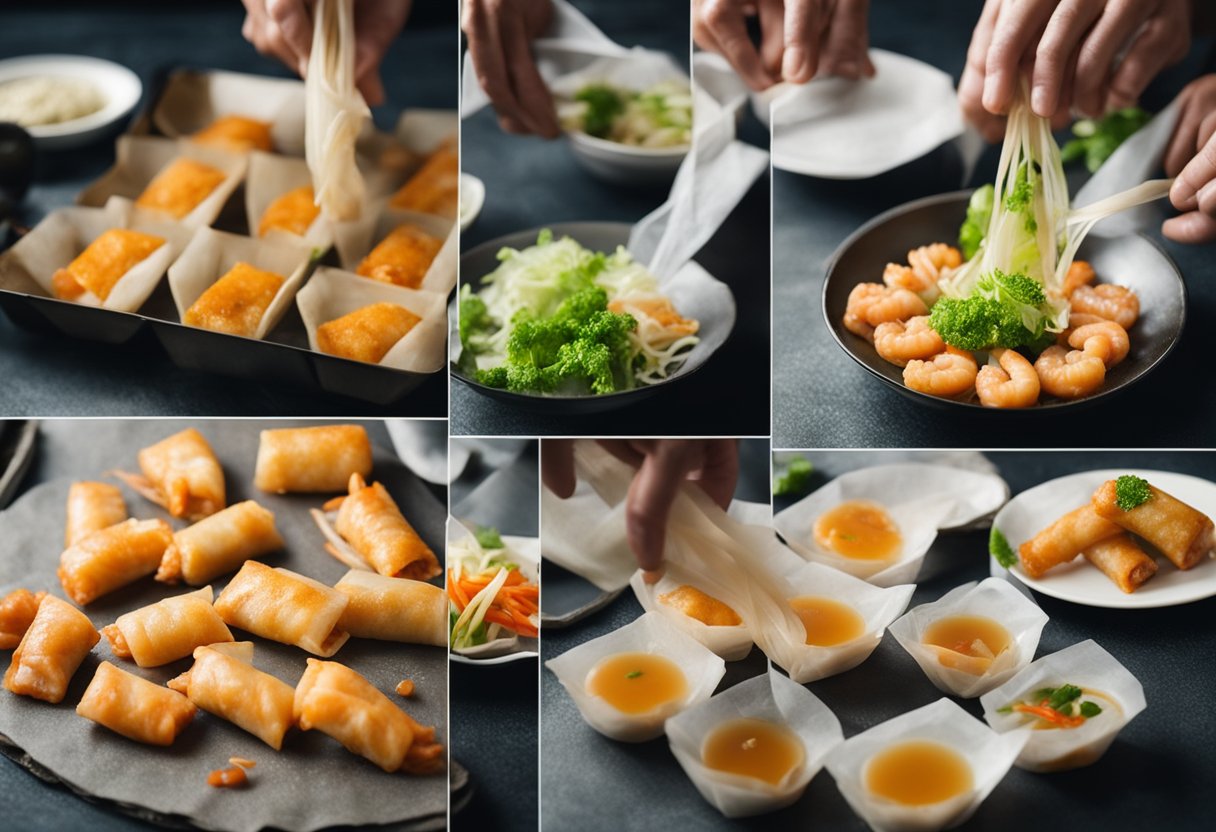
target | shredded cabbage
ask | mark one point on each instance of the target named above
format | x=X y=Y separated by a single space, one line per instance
x=659 y=116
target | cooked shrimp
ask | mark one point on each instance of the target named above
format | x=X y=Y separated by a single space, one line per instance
x=861 y=298
x=948 y=374
x=1076 y=320
x=899 y=342
x=895 y=305
x=1014 y=383
x=1080 y=273
x=1070 y=374
x=1115 y=303
x=926 y=265
x=1106 y=339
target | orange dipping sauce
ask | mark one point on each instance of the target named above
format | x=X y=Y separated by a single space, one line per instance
x=828 y=622
x=636 y=683
x=753 y=748
x=918 y=773
x=858 y=529
x=975 y=639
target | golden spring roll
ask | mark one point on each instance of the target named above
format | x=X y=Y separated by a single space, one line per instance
x=92 y=506
x=113 y=558
x=134 y=707
x=237 y=134
x=17 y=611
x=308 y=460
x=333 y=699
x=236 y=302
x=180 y=187
x=434 y=189
x=1064 y=539
x=293 y=212
x=224 y=682
x=103 y=263
x=402 y=258
x=393 y=609
x=371 y=523
x=286 y=607
x=168 y=630
x=219 y=544
x=1123 y=561
x=1181 y=533
x=51 y=650
x=367 y=334
x=184 y=471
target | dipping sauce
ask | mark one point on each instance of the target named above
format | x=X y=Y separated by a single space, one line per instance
x=858 y=529
x=704 y=608
x=635 y=683
x=753 y=748
x=973 y=641
x=828 y=622
x=917 y=773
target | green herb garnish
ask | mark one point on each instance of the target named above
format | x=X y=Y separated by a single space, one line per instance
x=633 y=674
x=794 y=477
x=1000 y=549
x=1131 y=491
x=1063 y=695
x=489 y=538
x=1090 y=709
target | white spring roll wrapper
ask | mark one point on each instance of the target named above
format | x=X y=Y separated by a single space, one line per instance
x=356 y=238
x=990 y=755
x=270 y=176
x=648 y=634
x=731 y=643
x=1089 y=667
x=992 y=598
x=212 y=254
x=772 y=697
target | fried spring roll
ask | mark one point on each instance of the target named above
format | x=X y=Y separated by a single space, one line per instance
x=224 y=682
x=371 y=523
x=282 y=606
x=293 y=212
x=113 y=558
x=103 y=263
x=337 y=701
x=92 y=506
x=1121 y=560
x=134 y=707
x=434 y=189
x=17 y=611
x=180 y=187
x=236 y=302
x=237 y=134
x=1181 y=533
x=402 y=257
x=320 y=459
x=185 y=473
x=1064 y=539
x=219 y=544
x=167 y=630
x=367 y=334
x=51 y=650
x=393 y=609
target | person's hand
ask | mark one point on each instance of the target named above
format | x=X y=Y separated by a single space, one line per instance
x=500 y=34
x=283 y=29
x=799 y=39
x=1191 y=158
x=663 y=464
x=1089 y=55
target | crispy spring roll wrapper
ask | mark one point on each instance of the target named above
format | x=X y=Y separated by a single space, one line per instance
x=283 y=606
x=1181 y=533
x=434 y=189
x=113 y=558
x=320 y=459
x=51 y=650
x=367 y=334
x=181 y=187
x=103 y=263
x=92 y=506
x=1064 y=539
x=224 y=682
x=236 y=302
x=236 y=134
x=134 y=707
x=393 y=609
x=219 y=544
x=1123 y=561
x=168 y=630
x=333 y=699
x=185 y=472
x=17 y=611
x=371 y=523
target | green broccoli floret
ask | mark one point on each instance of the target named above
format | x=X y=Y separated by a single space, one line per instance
x=1020 y=197
x=603 y=105
x=975 y=227
x=1096 y=140
x=794 y=479
x=978 y=323
x=1131 y=491
x=474 y=320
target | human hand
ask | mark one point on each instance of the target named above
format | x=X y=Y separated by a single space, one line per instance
x=663 y=465
x=500 y=34
x=283 y=29
x=1191 y=158
x=799 y=39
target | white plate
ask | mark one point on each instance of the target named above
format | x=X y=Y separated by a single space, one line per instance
x=526 y=550
x=472 y=199
x=1079 y=582
x=120 y=86
x=616 y=162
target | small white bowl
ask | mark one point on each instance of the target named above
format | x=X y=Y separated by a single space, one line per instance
x=120 y=87
x=472 y=199
x=623 y=163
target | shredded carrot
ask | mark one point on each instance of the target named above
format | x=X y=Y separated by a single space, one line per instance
x=242 y=762
x=1049 y=714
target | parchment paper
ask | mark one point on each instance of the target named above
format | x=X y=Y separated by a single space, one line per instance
x=313 y=782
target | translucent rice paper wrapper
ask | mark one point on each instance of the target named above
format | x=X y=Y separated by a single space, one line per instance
x=66 y=232
x=271 y=176
x=331 y=293
x=731 y=643
x=212 y=254
x=354 y=239
x=1088 y=666
x=920 y=499
x=586 y=535
x=193 y=100
x=991 y=598
x=771 y=697
x=648 y=634
x=989 y=753
x=140 y=158
x=524 y=551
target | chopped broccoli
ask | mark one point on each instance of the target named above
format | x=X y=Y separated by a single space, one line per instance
x=1096 y=140
x=999 y=548
x=603 y=105
x=1006 y=310
x=475 y=319
x=794 y=478
x=979 y=212
x=488 y=537
x=1131 y=491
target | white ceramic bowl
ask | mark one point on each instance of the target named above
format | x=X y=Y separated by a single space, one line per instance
x=623 y=163
x=472 y=199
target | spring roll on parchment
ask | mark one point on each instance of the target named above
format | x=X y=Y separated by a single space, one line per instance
x=92 y=506
x=182 y=474
x=1181 y=533
x=219 y=544
x=50 y=651
x=312 y=460
x=113 y=558
x=1123 y=561
x=371 y=523
x=17 y=611
x=134 y=707
x=286 y=607
x=168 y=630
x=1064 y=539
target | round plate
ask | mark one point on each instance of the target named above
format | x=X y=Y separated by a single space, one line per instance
x=1134 y=261
x=527 y=551
x=1079 y=582
x=120 y=86
x=599 y=236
